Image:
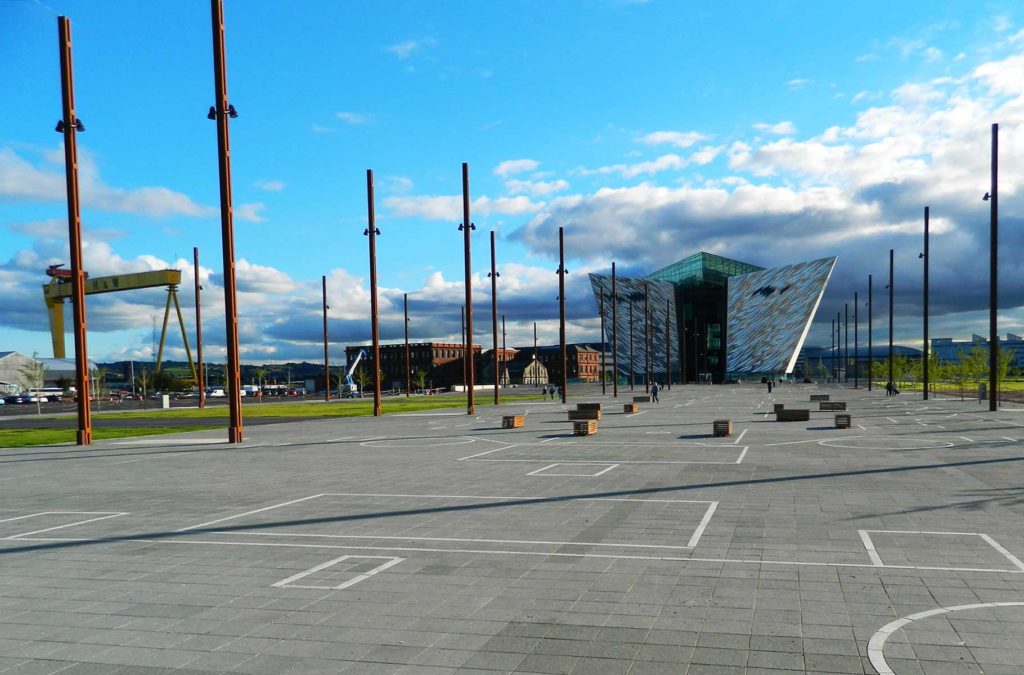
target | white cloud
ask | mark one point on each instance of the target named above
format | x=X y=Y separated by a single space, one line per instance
x=404 y=50
x=514 y=166
x=269 y=185
x=866 y=58
x=799 y=83
x=781 y=129
x=354 y=118
x=679 y=139
x=662 y=163
x=249 y=212
x=21 y=181
x=449 y=207
x=932 y=54
x=537 y=188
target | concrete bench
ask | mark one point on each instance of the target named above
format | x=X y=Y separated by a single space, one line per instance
x=589 y=406
x=511 y=421
x=779 y=406
x=630 y=408
x=832 y=405
x=721 y=428
x=819 y=397
x=793 y=415
x=586 y=428
x=581 y=415
x=843 y=421
x=641 y=399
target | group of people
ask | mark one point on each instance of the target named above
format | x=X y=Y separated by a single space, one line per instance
x=890 y=389
x=552 y=390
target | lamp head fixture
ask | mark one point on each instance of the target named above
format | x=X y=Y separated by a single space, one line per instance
x=986 y=197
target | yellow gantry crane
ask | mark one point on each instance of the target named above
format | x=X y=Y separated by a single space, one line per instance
x=59 y=289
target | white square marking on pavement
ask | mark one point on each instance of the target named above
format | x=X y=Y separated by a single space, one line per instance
x=876 y=559
x=290 y=581
x=544 y=471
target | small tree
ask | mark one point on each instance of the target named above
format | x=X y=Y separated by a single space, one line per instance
x=32 y=377
x=145 y=381
x=420 y=378
x=363 y=377
x=260 y=373
x=99 y=378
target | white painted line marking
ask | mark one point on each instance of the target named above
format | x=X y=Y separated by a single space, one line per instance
x=969 y=440
x=529 y=542
x=639 y=412
x=740 y=438
x=892 y=420
x=869 y=546
x=549 y=466
x=603 y=556
x=608 y=467
x=1012 y=440
x=1016 y=562
x=742 y=454
x=814 y=440
x=657 y=433
x=703 y=525
x=877 y=643
x=1009 y=556
x=247 y=513
x=486 y=452
x=111 y=514
x=286 y=583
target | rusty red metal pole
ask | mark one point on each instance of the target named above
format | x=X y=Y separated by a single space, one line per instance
x=494 y=320
x=408 y=363
x=68 y=126
x=201 y=371
x=462 y=315
x=466 y=227
x=222 y=111
x=561 y=313
x=615 y=338
x=604 y=386
x=993 y=290
x=372 y=232
x=327 y=359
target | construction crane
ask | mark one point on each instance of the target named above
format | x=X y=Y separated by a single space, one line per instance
x=350 y=389
x=59 y=289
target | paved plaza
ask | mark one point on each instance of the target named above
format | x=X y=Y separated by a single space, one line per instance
x=441 y=543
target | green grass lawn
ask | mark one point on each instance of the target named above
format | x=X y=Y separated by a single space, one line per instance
x=16 y=438
x=342 y=408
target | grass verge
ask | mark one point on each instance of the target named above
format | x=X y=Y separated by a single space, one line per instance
x=16 y=438
x=342 y=408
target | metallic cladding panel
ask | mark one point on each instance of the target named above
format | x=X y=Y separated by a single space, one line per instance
x=660 y=292
x=769 y=314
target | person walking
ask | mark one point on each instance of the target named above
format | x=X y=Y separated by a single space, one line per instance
x=769 y=385
x=553 y=390
x=654 y=392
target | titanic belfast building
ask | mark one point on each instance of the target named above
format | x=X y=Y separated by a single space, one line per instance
x=711 y=319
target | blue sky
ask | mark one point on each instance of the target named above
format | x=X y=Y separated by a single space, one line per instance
x=771 y=132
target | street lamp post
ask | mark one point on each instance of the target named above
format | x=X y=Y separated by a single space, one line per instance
x=856 y=341
x=327 y=361
x=604 y=390
x=993 y=291
x=647 y=339
x=615 y=338
x=926 y=344
x=467 y=226
x=561 y=314
x=846 y=342
x=200 y=372
x=631 y=360
x=890 y=287
x=408 y=361
x=372 y=232
x=871 y=356
x=494 y=321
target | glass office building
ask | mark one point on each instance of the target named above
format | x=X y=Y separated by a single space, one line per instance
x=710 y=318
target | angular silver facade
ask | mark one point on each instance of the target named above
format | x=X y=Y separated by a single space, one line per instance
x=660 y=298
x=769 y=314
